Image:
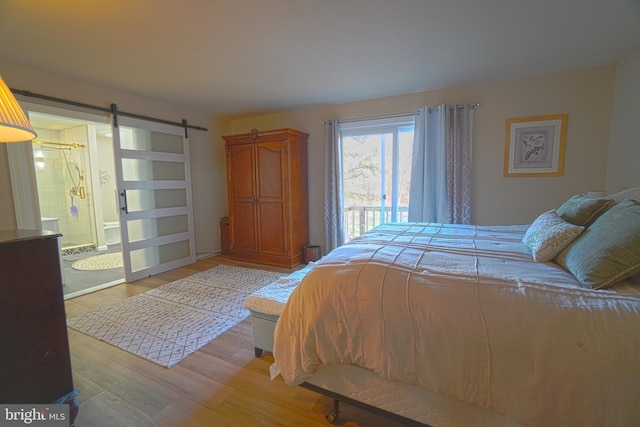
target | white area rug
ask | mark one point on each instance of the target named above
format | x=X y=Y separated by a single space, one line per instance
x=168 y=323
x=99 y=262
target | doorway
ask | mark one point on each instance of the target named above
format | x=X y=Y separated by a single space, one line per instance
x=120 y=196
x=376 y=157
x=77 y=196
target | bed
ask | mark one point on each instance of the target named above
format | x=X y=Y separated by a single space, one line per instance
x=449 y=325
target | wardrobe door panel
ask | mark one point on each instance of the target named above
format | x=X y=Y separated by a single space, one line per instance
x=243 y=227
x=270 y=170
x=240 y=167
x=242 y=199
x=273 y=229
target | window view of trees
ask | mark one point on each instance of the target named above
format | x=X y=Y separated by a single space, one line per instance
x=377 y=172
x=362 y=170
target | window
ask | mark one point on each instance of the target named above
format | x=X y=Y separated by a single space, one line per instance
x=376 y=172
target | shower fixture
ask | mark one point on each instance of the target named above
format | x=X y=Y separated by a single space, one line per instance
x=59 y=144
x=77 y=189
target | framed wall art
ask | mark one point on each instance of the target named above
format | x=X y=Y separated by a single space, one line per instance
x=535 y=146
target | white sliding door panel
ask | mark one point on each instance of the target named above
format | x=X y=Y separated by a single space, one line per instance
x=154 y=187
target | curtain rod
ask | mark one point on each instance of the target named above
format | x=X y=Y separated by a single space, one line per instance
x=473 y=105
x=410 y=113
x=384 y=116
x=182 y=124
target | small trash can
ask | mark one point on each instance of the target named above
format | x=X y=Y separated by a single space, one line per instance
x=224 y=235
x=310 y=253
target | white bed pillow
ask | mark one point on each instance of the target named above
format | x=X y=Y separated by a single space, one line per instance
x=630 y=193
x=548 y=235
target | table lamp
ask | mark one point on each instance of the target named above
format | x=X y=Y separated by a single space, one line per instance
x=14 y=125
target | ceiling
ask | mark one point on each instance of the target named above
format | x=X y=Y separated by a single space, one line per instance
x=236 y=57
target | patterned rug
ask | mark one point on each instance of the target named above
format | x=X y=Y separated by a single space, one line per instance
x=168 y=323
x=99 y=262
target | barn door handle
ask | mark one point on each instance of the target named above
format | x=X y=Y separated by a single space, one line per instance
x=124 y=207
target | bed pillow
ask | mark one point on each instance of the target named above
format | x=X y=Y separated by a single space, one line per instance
x=583 y=210
x=631 y=193
x=548 y=235
x=609 y=250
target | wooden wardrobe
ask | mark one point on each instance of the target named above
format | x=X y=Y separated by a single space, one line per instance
x=268 y=200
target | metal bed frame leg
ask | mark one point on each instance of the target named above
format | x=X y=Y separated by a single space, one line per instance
x=334 y=412
x=337 y=398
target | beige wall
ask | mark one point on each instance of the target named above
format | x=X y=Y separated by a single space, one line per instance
x=586 y=96
x=207 y=157
x=623 y=169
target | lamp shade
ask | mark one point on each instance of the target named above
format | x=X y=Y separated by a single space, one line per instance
x=14 y=125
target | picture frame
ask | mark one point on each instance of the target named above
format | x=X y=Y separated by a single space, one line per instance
x=535 y=146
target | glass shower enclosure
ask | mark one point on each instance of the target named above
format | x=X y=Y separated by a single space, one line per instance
x=64 y=188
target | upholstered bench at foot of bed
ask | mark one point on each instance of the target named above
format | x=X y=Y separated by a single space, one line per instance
x=266 y=304
x=262 y=326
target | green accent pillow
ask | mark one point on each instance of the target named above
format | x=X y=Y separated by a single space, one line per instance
x=609 y=250
x=583 y=210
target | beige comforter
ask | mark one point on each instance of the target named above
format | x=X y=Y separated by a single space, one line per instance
x=464 y=311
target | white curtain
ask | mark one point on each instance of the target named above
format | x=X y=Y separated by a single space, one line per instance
x=428 y=200
x=334 y=233
x=440 y=189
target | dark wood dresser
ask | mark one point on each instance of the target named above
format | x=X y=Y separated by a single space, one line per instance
x=35 y=364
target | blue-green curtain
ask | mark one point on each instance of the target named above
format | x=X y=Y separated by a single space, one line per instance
x=333 y=189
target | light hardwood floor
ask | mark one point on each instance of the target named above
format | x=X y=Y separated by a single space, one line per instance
x=222 y=384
